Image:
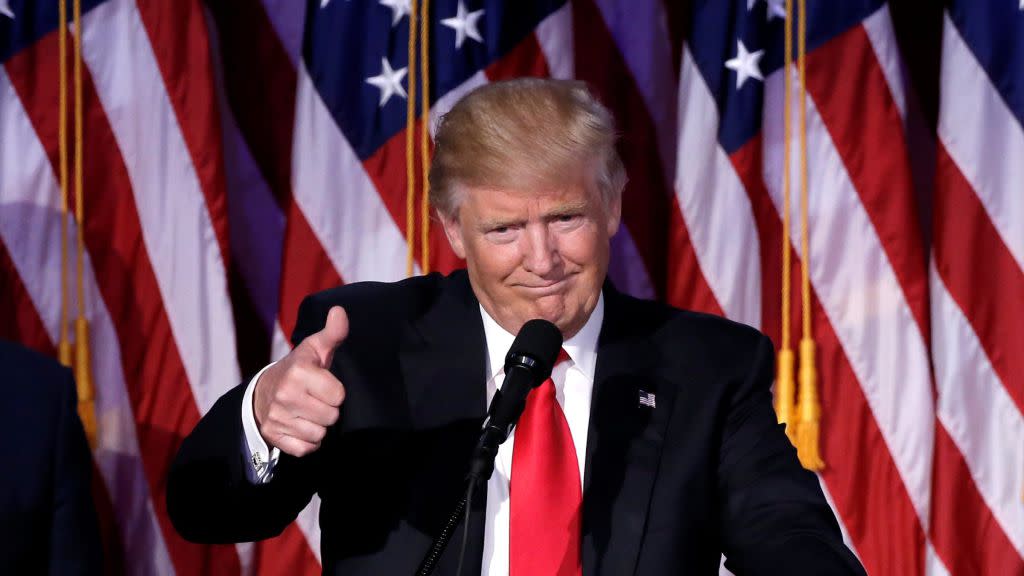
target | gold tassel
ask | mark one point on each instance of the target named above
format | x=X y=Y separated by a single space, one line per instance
x=83 y=379
x=809 y=410
x=785 y=394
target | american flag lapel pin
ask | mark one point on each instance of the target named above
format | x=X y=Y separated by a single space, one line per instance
x=647 y=399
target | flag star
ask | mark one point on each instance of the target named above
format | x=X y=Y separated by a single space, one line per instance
x=399 y=8
x=776 y=8
x=388 y=81
x=465 y=24
x=5 y=9
x=773 y=8
x=746 y=64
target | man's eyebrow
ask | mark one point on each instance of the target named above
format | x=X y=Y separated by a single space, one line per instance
x=497 y=223
x=569 y=208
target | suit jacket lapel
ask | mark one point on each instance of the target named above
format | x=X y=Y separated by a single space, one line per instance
x=443 y=364
x=443 y=357
x=624 y=441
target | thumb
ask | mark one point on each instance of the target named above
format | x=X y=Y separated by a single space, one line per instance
x=334 y=332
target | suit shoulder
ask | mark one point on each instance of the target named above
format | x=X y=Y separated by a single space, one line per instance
x=378 y=305
x=698 y=329
x=358 y=295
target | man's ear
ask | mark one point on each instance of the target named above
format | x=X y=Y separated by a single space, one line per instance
x=453 y=230
x=614 y=210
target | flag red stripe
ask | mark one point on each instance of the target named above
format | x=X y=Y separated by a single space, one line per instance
x=526 y=59
x=687 y=287
x=860 y=473
x=260 y=82
x=647 y=201
x=852 y=96
x=306 y=268
x=21 y=323
x=966 y=536
x=162 y=401
x=980 y=273
x=287 y=553
x=177 y=33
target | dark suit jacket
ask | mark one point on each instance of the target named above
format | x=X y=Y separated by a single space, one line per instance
x=666 y=490
x=47 y=519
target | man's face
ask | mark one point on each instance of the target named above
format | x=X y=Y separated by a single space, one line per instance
x=536 y=253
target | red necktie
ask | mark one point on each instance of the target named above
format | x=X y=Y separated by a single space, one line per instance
x=546 y=497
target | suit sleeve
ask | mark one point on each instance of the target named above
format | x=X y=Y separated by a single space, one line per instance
x=74 y=532
x=774 y=516
x=210 y=499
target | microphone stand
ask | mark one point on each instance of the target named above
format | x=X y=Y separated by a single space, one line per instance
x=463 y=507
x=527 y=364
x=480 y=469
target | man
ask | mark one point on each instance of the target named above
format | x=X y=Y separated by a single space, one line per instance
x=47 y=520
x=652 y=450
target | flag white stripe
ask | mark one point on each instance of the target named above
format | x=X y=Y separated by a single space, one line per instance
x=554 y=34
x=933 y=565
x=30 y=229
x=978 y=413
x=861 y=297
x=176 y=227
x=883 y=41
x=983 y=138
x=721 y=224
x=337 y=197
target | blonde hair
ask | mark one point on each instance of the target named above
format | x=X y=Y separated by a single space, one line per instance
x=523 y=133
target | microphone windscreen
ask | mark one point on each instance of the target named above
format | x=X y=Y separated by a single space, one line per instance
x=539 y=340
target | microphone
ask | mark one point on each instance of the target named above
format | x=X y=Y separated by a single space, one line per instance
x=528 y=364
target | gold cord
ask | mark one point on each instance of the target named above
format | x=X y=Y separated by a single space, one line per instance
x=785 y=384
x=410 y=124
x=425 y=137
x=808 y=434
x=64 y=353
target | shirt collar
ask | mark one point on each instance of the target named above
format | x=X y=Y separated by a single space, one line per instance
x=581 y=348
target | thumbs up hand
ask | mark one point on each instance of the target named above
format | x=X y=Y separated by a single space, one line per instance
x=296 y=399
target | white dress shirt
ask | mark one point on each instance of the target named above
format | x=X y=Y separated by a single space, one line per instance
x=574 y=384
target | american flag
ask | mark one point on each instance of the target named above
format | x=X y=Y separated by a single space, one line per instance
x=241 y=154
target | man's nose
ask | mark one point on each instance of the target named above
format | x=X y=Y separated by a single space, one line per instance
x=540 y=250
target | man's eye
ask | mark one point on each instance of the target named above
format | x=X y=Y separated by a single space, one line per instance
x=500 y=229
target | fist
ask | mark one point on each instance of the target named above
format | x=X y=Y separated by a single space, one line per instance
x=296 y=399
